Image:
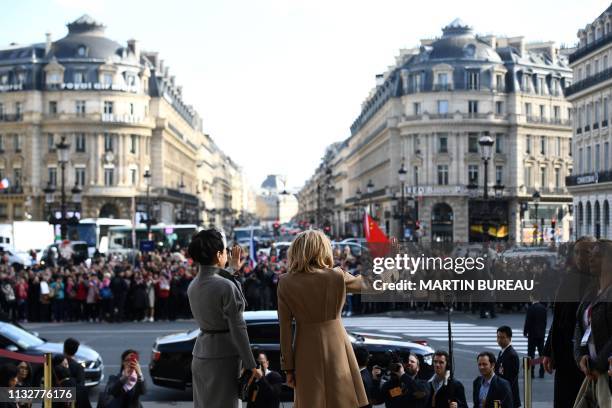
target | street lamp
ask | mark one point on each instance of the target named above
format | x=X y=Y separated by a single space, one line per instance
x=536 y=201
x=359 y=194
x=402 y=178
x=370 y=190
x=63 y=155
x=499 y=190
x=486 y=145
x=147 y=176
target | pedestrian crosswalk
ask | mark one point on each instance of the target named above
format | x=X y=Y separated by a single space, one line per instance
x=467 y=334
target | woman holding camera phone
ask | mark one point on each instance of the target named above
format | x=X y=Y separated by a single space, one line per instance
x=124 y=390
x=321 y=364
x=217 y=304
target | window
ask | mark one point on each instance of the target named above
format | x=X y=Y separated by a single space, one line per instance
x=79 y=77
x=443 y=143
x=443 y=80
x=557 y=177
x=416 y=108
x=605 y=62
x=606 y=156
x=416 y=82
x=473 y=80
x=443 y=174
x=557 y=112
x=528 y=179
x=108 y=142
x=416 y=145
x=133 y=144
x=580 y=161
x=588 y=116
x=1 y=145
x=80 y=142
x=597 y=157
x=3 y=211
x=18 y=111
x=473 y=174
x=472 y=107
x=499 y=108
x=52 y=171
x=82 y=51
x=79 y=176
x=473 y=143
x=52 y=107
x=54 y=77
x=134 y=176
x=526 y=83
x=605 y=112
x=589 y=159
x=50 y=142
x=543 y=177
x=499 y=175
x=1 y=110
x=131 y=108
x=107 y=79
x=540 y=82
x=17 y=177
x=17 y=143
x=543 y=145
x=528 y=109
x=528 y=144
x=416 y=175
x=596 y=114
x=443 y=107
x=558 y=147
x=588 y=70
x=108 y=107
x=542 y=111
x=499 y=82
x=108 y=177
x=80 y=108
x=499 y=143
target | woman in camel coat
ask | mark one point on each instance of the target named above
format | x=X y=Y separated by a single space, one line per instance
x=320 y=364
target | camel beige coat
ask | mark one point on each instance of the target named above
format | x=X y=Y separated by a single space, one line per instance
x=326 y=371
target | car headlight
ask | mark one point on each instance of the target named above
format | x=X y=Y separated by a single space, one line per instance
x=428 y=359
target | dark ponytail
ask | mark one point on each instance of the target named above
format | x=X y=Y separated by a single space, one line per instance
x=204 y=246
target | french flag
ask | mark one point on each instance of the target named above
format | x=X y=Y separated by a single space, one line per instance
x=4 y=183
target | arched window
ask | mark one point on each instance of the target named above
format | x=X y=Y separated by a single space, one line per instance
x=580 y=220
x=606 y=219
x=597 y=220
x=589 y=218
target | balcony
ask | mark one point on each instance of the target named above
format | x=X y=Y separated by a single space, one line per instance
x=586 y=50
x=11 y=117
x=442 y=87
x=12 y=190
x=548 y=121
x=578 y=130
x=593 y=80
x=97 y=117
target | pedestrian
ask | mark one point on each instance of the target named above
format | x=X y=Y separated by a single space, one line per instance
x=371 y=379
x=490 y=390
x=508 y=365
x=217 y=304
x=445 y=391
x=77 y=372
x=125 y=389
x=325 y=350
x=57 y=302
x=535 y=331
x=150 y=291
x=265 y=392
x=162 y=295
x=21 y=295
x=8 y=379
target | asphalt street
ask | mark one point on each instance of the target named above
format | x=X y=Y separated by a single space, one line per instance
x=471 y=335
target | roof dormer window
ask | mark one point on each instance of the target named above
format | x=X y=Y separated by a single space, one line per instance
x=79 y=77
x=82 y=51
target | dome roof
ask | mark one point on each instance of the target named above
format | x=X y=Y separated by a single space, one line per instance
x=86 y=39
x=459 y=42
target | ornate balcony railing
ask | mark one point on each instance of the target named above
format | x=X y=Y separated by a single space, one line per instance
x=588 y=82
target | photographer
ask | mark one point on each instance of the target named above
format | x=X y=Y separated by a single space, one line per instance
x=265 y=392
x=124 y=390
x=404 y=388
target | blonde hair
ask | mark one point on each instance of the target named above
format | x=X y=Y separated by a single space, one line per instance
x=311 y=250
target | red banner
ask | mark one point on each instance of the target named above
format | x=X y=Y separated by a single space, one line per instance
x=22 y=357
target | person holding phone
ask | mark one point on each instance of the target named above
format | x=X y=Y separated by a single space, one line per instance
x=124 y=390
x=222 y=348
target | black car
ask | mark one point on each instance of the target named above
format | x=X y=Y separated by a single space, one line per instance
x=16 y=339
x=171 y=358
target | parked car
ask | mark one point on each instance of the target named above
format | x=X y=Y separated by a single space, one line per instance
x=78 y=249
x=23 y=259
x=16 y=339
x=170 y=364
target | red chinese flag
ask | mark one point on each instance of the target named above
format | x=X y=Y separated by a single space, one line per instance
x=378 y=243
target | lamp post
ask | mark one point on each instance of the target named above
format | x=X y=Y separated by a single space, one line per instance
x=536 y=201
x=147 y=176
x=370 y=190
x=63 y=155
x=402 y=178
x=359 y=218
x=486 y=145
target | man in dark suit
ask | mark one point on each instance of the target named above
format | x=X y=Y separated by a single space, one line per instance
x=488 y=387
x=535 y=331
x=559 y=347
x=404 y=388
x=508 y=364
x=444 y=392
x=77 y=372
x=266 y=391
x=371 y=380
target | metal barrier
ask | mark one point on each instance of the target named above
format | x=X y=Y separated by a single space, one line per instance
x=528 y=364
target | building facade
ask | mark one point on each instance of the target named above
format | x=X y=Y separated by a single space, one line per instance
x=122 y=114
x=427 y=115
x=590 y=95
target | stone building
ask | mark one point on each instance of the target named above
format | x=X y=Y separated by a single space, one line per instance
x=428 y=113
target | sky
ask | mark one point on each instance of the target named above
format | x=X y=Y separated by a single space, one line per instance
x=277 y=81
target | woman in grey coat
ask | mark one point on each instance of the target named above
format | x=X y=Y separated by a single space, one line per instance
x=217 y=303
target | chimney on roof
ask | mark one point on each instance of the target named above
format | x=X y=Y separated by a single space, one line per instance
x=518 y=43
x=47 y=43
x=491 y=40
x=380 y=79
x=134 y=48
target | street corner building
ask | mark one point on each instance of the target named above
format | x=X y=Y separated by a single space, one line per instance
x=415 y=158
x=123 y=116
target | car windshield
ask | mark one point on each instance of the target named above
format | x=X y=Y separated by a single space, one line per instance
x=19 y=337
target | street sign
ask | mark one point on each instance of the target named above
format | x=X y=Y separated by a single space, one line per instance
x=147 y=246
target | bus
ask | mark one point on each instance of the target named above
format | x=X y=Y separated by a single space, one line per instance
x=95 y=232
x=165 y=236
